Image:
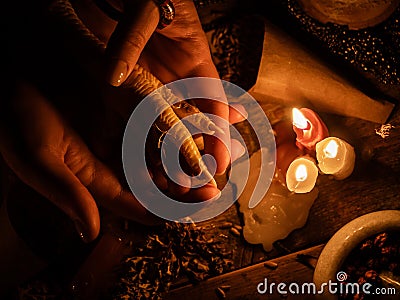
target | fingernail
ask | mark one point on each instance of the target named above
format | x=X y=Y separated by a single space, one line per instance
x=216 y=128
x=216 y=197
x=240 y=108
x=80 y=228
x=118 y=72
x=237 y=150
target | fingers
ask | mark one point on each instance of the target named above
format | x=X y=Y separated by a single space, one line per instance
x=237 y=149
x=49 y=176
x=129 y=39
x=179 y=188
x=72 y=197
x=218 y=144
x=108 y=191
x=237 y=113
x=32 y=145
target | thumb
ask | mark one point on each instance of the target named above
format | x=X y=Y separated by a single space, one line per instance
x=131 y=35
x=61 y=186
x=50 y=177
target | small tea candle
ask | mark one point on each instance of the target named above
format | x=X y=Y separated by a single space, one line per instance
x=309 y=128
x=336 y=157
x=301 y=175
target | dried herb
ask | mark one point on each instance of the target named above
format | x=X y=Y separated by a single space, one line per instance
x=372 y=50
x=225 y=41
x=378 y=253
x=178 y=250
x=38 y=290
x=384 y=130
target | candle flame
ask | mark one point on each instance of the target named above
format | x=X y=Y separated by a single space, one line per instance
x=331 y=150
x=299 y=120
x=301 y=173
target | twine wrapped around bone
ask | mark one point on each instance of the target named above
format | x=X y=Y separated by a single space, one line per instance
x=143 y=83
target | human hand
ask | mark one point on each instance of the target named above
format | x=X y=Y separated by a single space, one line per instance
x=178 y=51
x=48 y=155
x=118 y=107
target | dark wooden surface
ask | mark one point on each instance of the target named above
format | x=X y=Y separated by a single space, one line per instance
x=374 y=185
x=243 y=282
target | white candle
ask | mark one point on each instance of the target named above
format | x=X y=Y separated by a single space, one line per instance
x=279 y=212
x=335 y=157
x=301 y=175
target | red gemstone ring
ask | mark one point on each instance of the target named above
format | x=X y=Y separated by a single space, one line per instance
x=167 y=12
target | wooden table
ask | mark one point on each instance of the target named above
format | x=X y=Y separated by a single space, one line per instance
x=374 y=185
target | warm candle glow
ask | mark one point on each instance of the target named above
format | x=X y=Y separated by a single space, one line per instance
x=335 y=157
x=331 y=150
x=299 y=120
x=301 y=173
x=309 y=128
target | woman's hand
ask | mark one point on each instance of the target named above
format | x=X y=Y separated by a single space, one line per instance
x=178 y=51
x=49 y=156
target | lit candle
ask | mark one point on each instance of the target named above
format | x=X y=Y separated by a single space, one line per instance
x=285 y=154
x=335 y=157
x=279 y=212
x=301 y=175
x=309 y=128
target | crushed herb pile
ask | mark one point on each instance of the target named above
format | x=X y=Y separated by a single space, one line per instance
x=179 y=250
x=378 y=253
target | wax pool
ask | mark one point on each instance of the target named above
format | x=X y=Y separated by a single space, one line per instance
x=279 y=212
x=336 y=157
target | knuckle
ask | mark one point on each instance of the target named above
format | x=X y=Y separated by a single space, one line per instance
x=136 y=40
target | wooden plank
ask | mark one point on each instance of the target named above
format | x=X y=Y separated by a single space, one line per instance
x=243 y=283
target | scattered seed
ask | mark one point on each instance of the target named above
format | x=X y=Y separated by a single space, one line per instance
x=238 y=227
x=234 y=231
x=220 y=293
x=226 y=253
x=225 y=288
x=271 y=265
x=225 y=225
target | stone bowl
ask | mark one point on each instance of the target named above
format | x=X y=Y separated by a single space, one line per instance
x=346 y=239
